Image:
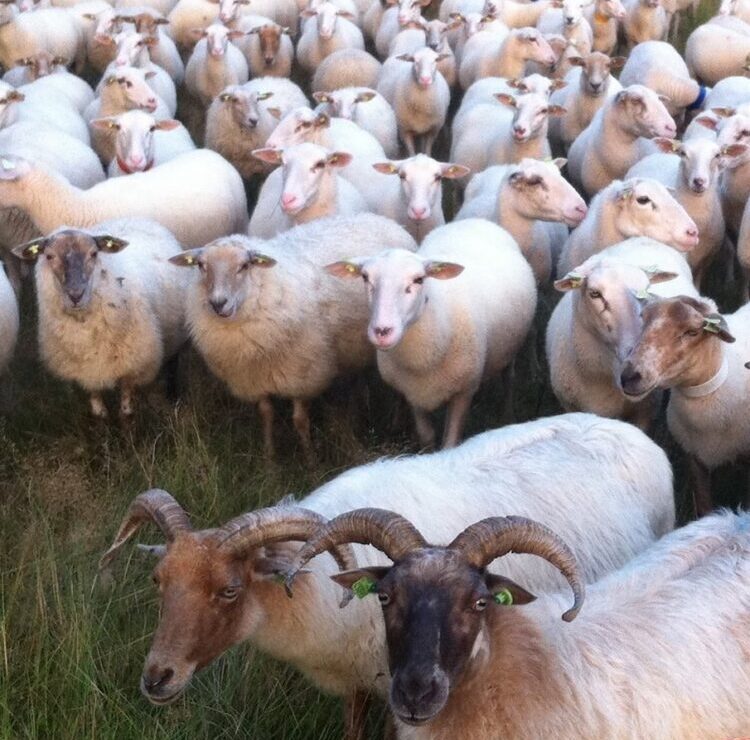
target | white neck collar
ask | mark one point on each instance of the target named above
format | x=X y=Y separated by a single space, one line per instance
x=710 y=386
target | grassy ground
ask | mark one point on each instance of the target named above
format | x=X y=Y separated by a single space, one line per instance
x=71 y=649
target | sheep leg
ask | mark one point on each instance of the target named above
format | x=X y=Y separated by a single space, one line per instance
x=301 y=421
x=428 y=141
x=410 y=143
x=700 y=477
x=171 y=376
x=98 y=409
x=356 y=708
x=265 y=407
x=454 y=423
x=425 y=430
x=126 y=400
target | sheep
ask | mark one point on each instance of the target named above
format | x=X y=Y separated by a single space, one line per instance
x=215 y=63
x=518 y=132
x=739 y=8
x=108 y=318
x=598 y=321
x=187 y=15
x=346 y=68
x=626 y=491
x=474 y=31
x=533 y=203
x=436 y=37
x=268 y=48
x=504 y=56
x=305 y=187
x=636 y=207
x=466 y=657
x=419 y=95
x=167 y=194
x=8 y=320
x=713 y=52
x=683 y=347
x=659 y=66
x=34 y=66
x=160 y=8
x=589 y=85
x=516 y=14
x=616 y=137
x=645 y=20
x=566 y=18
x=99 y=34
x=731 y=92
x=331 y=32
x=236 y=306
x=48 y=29
x=692 y=169
x=398 y=16
x=368 y=109
x=242 y=118
x=142 y=142
x=603 y=15
x=415 y=199
x=438 y=342
x=163 y=51
x=743 y=252
x=284 y=12
x=40 y=106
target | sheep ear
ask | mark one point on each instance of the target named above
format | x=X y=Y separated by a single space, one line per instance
x=30 y=250
x=268 y=155
x=110 y=244
x=15 y=96
x=168 y=124
x=187 y=259
x=733 y=150
x=442 y=270
x=506 y=592
x=10 y=169
x=197 y=33
x=232 y=35
x=261 y=260
x=707 y=122
x=655 y=275
x=559 y=162
x=577 y=61
x=322 y=97
x=517 y=84
x=572 y=281
x=558 y=85
x=506 y=99
x=441 y=57
x=715 y=323
x=454 y=171
x=723 y=112
x=617 y=62
x=104 y=123
x=345 y=268
x=405 y=57
x=556 y=110
x=362 y=581
x=308 y=13
x=385 y=168
x=668 y=146
x=151 y=73
x=275 y=112
x=366 y=97
x=338 y=159
x=345 y=14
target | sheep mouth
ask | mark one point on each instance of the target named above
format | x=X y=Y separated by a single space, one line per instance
x=636 y=394
x=413 y=720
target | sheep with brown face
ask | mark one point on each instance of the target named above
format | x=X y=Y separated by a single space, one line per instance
x=467 y=663
x=688 y=347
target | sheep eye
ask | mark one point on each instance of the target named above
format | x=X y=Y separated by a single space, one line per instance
x=50 y=257
x=365 y=277
x=318 y=166
x=128 y=84
x=692 y=332
x=243 y=266
x=402 y=176
x=229 y=594
x=418 y=281
x=480 y=605
x=152 y=129
x=745 y=133
x=594 y=294
x=384 y=599
x=643 y=200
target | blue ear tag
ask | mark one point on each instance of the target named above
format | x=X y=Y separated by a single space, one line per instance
x=363 y=587
x=503 y=597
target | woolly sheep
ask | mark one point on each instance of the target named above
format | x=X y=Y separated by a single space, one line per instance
x=99 y=33
x=604 y=17
x=167 y=194
x=566 y=18
x=305 y=187
x=437 y=341
x=368 y=109
x=533 y=202
x=613 y=142
x=163 y=50
x=215 y=63
x=419 y=95
x=398 y=16
x=8 y=320
x=589 y=85
x=743 y=251
x=637 y=207
x=242 y=118
x=626 y=491
x=645 y=20
x=331 y=31
x=598 y=321
x=284 y=12
x=108 y=316
x=713 y=52
x=187 y=15
x=346 y=68
x=700 y=356
x=234 y=316
x=267 y=46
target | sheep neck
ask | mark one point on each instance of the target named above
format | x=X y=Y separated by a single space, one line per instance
x=510 y=62
x=325 y=201
x=706 y=373
x=510 y=217
x=604 y=231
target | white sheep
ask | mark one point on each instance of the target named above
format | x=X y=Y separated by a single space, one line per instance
x=533 y=202
x=589 y=85
x=626 y=491
x=215 y=63
x=616 y=137
x=284 y=12
x=331 y=31
x=598 y=321
x=743 y=252
x=714 y=51
x=305 y=187
x=604 y=17
x=566 y=18
x=365 y=107
x=142 y=142
x=396 y=17
x=187 y=15
x=504 y=55
x=637 y=207
x=163 y=50
x=700 y=356
x=242 y=118
x=8 y=320
x=419 y=95
x=346 y=68
x=101 y=27
x=167 y=194
x=267 y=46
x=437 y=341
x=108 y=318
x=248 y=289
x=692 y=169
x=645 y=20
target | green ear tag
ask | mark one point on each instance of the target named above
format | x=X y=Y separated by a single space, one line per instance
x=711 y=325
x=576 y=279
x=363 y=587
x=643 y=295
x=503 y=597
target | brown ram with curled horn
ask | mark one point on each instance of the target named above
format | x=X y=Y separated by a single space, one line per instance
x=433 y=596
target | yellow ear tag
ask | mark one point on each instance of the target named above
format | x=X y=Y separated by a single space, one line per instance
x=189 y=260
x=33 y=249
x=351 y=269
x=109 y=244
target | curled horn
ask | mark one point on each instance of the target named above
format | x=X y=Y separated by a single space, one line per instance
x=155 y=505
x=492 y=538
x=386 y=530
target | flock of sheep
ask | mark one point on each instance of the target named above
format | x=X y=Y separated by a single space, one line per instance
x=137 y=228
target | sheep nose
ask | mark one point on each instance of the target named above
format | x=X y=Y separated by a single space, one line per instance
x=252 y=122
x=699 y=184
x=419 y=213
x=692 y=232
x=218 y=304
x=595 y=86
x=136 y=160
x=630 y=378
x=288 y=200
x=75 y=295
x=383 y=331
x=519 y=131
x=582 y=210
x=155 y=678
x=269 y=61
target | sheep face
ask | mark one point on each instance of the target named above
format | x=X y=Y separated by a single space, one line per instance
x=436 y=34
x=132 y=49
x=326 y=17
x=42 y=64
x=8 y=10
x=644 y=113
x=611 y=9
x=269 y=38
x=409 y=11
x=677 y=334
x=533 y=46
x=73 y=258
x=572 y=11
x=424 y=63
x=244 y=105
x=297 y=127
x=225 y=274
x=733 y=132
x=700 y=161
x=229 y=10
x=395 y=289
x=530 y=114
x=8 y=98
x=595 y=72
x=343 y=103
x=646 y=208
x=131 y=86
x=217 y=38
